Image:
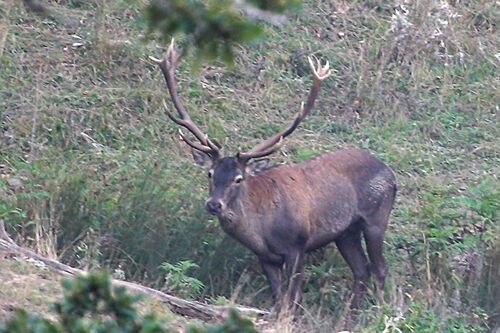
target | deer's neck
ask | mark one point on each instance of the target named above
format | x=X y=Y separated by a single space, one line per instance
x=245 y=216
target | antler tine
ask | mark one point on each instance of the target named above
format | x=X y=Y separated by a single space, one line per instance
x=265 y=152
x=194 y=145
x=168 y=66
x=320 y=73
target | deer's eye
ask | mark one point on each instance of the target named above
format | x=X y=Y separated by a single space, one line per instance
x=238 y=179
x=210 y=173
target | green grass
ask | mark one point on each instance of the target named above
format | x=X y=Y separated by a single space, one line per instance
x=107 y=184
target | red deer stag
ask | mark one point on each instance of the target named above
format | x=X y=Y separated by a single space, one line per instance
x=282 y=212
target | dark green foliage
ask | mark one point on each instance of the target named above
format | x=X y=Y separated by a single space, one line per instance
x=214 y=28
x=276 y=5
x=24 y=322
x=91 y=305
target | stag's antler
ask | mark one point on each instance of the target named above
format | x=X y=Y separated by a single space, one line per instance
x=273 y=143
x=168 y=67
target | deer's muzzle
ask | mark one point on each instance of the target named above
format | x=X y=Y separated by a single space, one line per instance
x=214 y=207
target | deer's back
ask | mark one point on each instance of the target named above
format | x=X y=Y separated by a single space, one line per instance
x=316 y=200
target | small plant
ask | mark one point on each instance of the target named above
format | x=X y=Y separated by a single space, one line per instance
x=178 y=281
x=485 y=200
x=420 y=318
x=218 y=300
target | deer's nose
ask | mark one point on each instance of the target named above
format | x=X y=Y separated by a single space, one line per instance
x=214 y=207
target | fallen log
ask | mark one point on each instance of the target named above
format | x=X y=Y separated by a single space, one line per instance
x=191 y=309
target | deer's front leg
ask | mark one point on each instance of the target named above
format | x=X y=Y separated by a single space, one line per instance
x=295 y=274
x=273 y=274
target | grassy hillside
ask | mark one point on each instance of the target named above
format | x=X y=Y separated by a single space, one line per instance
x=92 y=172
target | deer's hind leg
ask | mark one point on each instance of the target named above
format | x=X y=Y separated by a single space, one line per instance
x=373 y=231
x=374 y=238
x=349 y=245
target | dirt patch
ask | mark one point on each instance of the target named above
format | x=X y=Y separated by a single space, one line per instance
x=28 y=285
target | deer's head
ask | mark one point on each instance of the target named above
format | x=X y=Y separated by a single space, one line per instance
x=227 y=175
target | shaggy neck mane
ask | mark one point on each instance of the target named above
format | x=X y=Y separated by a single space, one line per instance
x=261 y=191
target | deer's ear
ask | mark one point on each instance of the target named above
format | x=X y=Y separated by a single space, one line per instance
x=201 y=159
x=257 y=166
